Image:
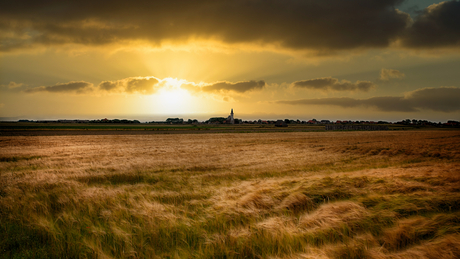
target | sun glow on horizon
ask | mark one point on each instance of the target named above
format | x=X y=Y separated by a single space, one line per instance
x=172 y=99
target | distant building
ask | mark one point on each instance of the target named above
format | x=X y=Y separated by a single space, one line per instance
x=216 y=120
x=222 y=120
x=174 y=121
x=280 y=123
x=230 y=118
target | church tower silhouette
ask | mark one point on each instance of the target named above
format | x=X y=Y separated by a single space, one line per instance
x=232 y=120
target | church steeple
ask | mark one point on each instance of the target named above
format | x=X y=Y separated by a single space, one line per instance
x=232 y=121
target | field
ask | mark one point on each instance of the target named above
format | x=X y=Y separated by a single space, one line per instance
x=389 y=194
x=60 y=129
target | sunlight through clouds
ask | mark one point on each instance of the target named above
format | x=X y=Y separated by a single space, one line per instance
x=160 y=57
x=171 y=98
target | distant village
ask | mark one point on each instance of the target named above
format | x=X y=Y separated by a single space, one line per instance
x=345 y=124
x=222 y=120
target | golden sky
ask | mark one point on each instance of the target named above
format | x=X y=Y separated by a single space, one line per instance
x=267 y=59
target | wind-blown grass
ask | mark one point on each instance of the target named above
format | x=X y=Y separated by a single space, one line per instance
x=270 y=195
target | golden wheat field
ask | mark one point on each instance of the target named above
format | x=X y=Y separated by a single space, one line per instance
x=258 y=195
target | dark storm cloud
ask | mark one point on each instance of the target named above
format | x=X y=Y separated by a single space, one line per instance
x=321 y=25
x=438 y=26
x=443 y=99
x=239 y=87
x=75 y=87
x=329 y=83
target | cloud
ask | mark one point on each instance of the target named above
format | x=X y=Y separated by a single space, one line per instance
x=322 y=26
x=141 y=85
x=437 y=26
x=148 y=85
x=224 y=86
x=381 y=103
x=13 y=85
x=131 y=85
x=333 y=84
x=70 y=87
x=387 y=74
x=441 y=99
x=108 y=85
x=239 y=87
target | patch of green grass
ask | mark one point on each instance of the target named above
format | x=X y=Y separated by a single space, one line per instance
x=414 y=230
x=101 y=127
x=21 y=241
x=18 y=158
x=120 y=178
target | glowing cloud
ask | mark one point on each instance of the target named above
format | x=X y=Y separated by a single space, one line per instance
x=149 y=85
x=225 y=87
x=140 y=85
x=240 y=87
x=70 y=87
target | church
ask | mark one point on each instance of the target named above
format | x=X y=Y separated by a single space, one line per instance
x=230 y=118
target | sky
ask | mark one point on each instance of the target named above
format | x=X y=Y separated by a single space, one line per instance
x=267 y=59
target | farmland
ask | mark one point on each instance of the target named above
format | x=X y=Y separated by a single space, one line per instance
x=60 y=129
x=388 y=194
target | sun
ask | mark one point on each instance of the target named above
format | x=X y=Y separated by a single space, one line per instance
x=171 y=98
